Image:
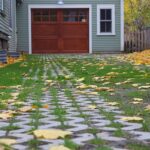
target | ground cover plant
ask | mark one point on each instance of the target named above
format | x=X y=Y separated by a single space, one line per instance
x=75 y=102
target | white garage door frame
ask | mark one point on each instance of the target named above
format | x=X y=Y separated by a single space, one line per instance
x=32 y=6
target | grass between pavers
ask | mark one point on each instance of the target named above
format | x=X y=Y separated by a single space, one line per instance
x=87 y=68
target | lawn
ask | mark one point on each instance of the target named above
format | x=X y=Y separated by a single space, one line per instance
x=87 y=99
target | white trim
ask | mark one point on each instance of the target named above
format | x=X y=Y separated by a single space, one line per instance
x=2 y=7
x=122 y=24
x=31 y=6
x=106 y=6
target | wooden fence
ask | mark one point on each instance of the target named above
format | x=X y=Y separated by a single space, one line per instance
x=137 y=41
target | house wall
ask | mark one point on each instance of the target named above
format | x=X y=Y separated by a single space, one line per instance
x=13 y=30
x=4 y=24
x=99 y=42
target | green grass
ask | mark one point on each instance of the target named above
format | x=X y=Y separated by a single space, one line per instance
x=23 y=73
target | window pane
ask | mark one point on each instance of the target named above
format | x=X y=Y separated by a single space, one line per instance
x=37 y=15
x=103 y=27
x=108 y=14
x=102 y=14
x=45 y=15
x=108 y=26
x=53 y=15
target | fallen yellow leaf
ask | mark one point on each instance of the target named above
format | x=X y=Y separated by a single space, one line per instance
x=134 y=118
x=80 y=80
x=51 y=134
x=113 y=103
x=147 y=108
x=135 y=102
x=25 y=109
x=6 y=115
x=138 y=99
x=144 y=87
x=92 y=106
x=8 y=141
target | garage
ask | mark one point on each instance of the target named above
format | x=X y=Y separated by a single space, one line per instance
x=60 y=30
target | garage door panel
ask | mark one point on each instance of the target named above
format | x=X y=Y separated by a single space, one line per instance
x=45 y=44
x=44 y=30
x=60 y=31
x=75 y=44
x=74 y=30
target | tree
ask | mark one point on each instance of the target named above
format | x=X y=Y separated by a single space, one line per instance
x=137 y=14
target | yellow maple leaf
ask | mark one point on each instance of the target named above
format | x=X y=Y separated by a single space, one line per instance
x=147 y=108
x=138 y=99
x=135 y=102
x=80 y=80
x=144 y=87
x=6 y=115
x=51 y=134
x=92 y=106
x=113 y=103
x=7 y=141
x=25 y=109
x=59 y=147
x=134 y=118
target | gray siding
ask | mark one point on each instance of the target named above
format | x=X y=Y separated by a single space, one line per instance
x=4 y=20
x=4 y=23
x=13 y=39
x=99 y=43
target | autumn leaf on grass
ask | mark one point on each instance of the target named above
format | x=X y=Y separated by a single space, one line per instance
x=134 y=118
x=92 y=106
x=25 y=109
x=80 y=79
x=7 y=141
x=83 y=86
x=147 y=108
x=108 y=89
x=135 y=85
x=48 y=81
x=113 y=103
x=138 y=99
x=6 y=115
x=92 y=93
x=144 y=87
x=59 y=147
x=135 y=102
x=14 y=94
x=51 y=134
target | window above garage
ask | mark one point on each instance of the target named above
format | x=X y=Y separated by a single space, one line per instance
x=106 y=19
x=44 y=15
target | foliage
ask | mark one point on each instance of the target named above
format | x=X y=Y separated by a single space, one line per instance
x=137 y=13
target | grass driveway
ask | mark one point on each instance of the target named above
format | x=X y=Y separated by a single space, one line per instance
x=90 y=102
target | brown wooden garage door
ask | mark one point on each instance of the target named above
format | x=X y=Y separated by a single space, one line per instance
x=60 y=30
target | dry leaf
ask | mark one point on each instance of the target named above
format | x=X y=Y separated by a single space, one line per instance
x=25 y=109
x=60 y=147
x=104 y=89
x=8 y=141
x=14 y=94
x=80 y=80
x=135 y=102
x=113 y=103
x=147 y=108
x=138 y=99
x=49 y=81
x=135 y=85
x=92 y=106
x=92 y=93
x=51 y=134
x=132 y=118
x=144 y=87
x=6 y=115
